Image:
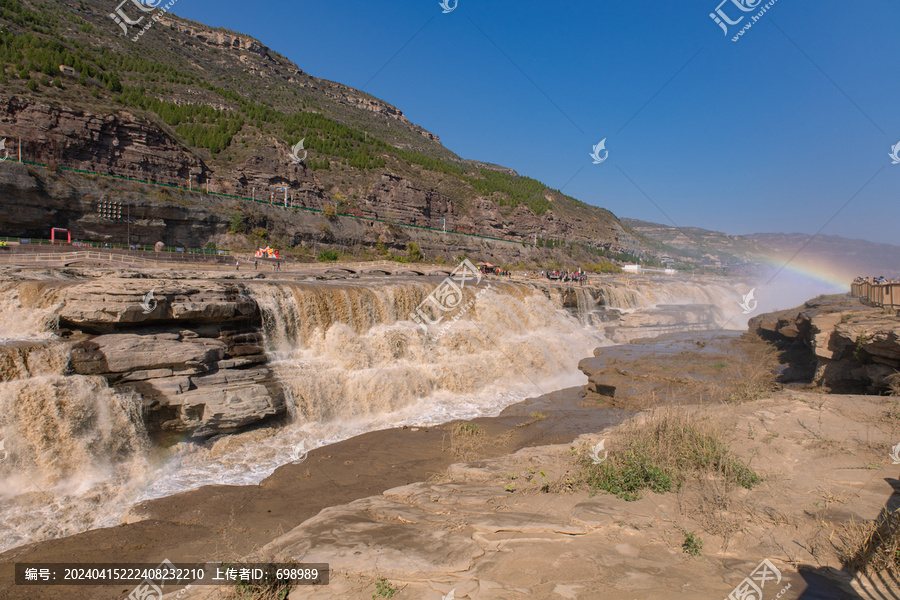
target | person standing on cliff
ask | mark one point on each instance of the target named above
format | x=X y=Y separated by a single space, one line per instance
x=237 y=265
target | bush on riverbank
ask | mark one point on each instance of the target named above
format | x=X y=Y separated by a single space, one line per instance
x=663 y=452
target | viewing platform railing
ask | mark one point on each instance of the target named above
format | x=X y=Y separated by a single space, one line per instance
x=879 y=294
x=107 y=257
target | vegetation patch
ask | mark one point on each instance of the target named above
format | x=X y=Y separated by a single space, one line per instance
x=384 y=589
x=663 y=452
x=873 y=546
x=692 y=544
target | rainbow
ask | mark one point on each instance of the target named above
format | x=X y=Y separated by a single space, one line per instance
x=833 y=275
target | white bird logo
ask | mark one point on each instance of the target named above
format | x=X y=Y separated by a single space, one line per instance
x=450 y=596
x=748 y=298
x=445 y=4
x=299 y=453
x=295 y=152
x=148 y=303
x=595 y=452
x=6 y=152
x=4 y=453
x=895 y=454
x=596 y=153
x=895 y=154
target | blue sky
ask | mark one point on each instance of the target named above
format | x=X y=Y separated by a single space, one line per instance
x=777 y=132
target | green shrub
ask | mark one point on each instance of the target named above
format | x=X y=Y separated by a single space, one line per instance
x=384 y=589
x=237 y=224
x=692 y=544
x=413 y=252
x=626 y=476
x=329 y=256
x=664 y=452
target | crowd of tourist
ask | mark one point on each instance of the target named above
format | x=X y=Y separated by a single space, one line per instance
x=495 y=271
x=565 y=276
x=879 y=279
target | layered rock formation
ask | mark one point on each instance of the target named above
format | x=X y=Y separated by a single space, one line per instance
x=197 y=357
x=836 y=342
x=33 y=199
x=121 y=143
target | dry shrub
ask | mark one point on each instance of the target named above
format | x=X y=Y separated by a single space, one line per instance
x=872 y=547
x=467 y=441
x=755 y=377
x=893 y=382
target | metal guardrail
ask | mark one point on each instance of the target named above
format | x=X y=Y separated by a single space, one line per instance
x=26 y=243
x=105 y=257
x=170 y=261
x=886 y=295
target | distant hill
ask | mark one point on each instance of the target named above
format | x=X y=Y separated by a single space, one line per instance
x=830 y=256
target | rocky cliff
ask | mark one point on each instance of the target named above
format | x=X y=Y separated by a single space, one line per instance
x=206 y=108
x=193 y=351
x=33 y=199
x=836 y=342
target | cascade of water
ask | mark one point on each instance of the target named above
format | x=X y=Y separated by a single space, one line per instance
x=351 y=352
x=348 y=356
x=27 y=310
x=21 y=360
x=74 y=450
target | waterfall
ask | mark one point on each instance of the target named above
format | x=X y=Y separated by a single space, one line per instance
x=74 y=452
x=348 y=356
x=27 y=310
x=21 y=360
x=347 y=352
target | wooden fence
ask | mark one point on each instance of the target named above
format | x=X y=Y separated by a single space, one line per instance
x=879 y=294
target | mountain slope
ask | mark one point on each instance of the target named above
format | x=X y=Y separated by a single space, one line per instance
x=185 y=104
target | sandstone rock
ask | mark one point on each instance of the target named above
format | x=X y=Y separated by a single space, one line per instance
x=822 y=334
x=125 y=352
x=854 y=347
x=357 y=538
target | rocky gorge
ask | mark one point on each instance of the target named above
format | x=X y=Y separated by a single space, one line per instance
x=195 y=350
x=210 y=357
